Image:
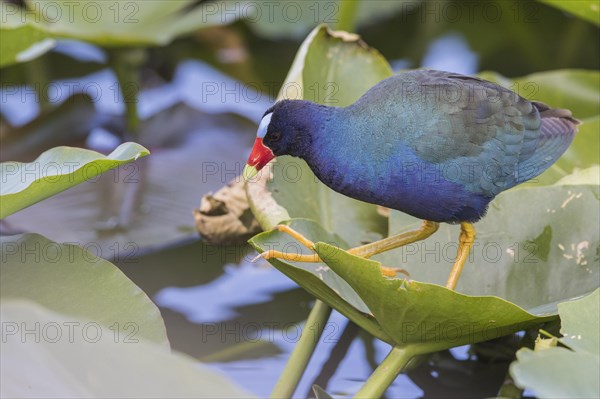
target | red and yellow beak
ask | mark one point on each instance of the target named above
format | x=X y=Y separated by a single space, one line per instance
x=259 y=157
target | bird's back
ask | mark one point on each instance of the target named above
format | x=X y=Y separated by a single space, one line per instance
x=497 y=138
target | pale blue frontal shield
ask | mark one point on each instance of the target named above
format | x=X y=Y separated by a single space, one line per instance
x=264 y=124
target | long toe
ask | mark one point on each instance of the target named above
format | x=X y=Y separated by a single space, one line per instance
x=393 y=271
x=265 y=255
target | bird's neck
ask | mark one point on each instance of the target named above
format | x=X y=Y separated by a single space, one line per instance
x=310 y=122
x=331 y=145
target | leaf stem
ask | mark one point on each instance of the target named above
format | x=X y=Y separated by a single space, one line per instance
x=348 y=13
x=37 y=75
x=386 y=372
x=126 y=62
x=294 y=369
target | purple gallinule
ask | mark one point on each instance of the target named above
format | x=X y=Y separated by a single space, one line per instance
x=436 y=145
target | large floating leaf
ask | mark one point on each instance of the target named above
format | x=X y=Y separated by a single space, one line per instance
x=296 y=18
x=140 y=206
x=424 y=314
x=24 y=184
x=76 y=282
x=559 y=372
x=324 y=71
x=78 y=358
x=536 y=246
x=123 y=23
x=580 y=323
x=317 y=278
x=20 y=41
x=588 y=10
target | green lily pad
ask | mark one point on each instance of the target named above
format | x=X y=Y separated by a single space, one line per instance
x=139 y=207
x=60 y=168
x=426 y=315
x=557 y=372
x=580 y=323
x=78 y=358
x=304 y=15
x=76 y=282
x=20 y=41
x=324 y=71
x=536 y=246
x=584 y=9
x=347 y=56
x=131 y=23
x=318 y=278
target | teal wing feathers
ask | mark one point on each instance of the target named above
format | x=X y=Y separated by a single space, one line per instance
x=556 y=133
x=487 y=137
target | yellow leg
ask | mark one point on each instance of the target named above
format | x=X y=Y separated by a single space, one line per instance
x=364 y=251
x=299 y=237
x=290 y=257
x=467 y=236
x=386 y=244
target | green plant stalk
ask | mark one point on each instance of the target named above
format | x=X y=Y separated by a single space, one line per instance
x=509 y=389
x=36 y=74
x=233 y=352
x=294 y=369
x=387 y=371
x=575 y=33
x=126 y=63
x=348 y=14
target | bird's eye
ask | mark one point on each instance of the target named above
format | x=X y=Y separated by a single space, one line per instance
x=275 y=136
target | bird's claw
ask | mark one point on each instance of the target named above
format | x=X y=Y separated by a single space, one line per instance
x=264 y=255
x=393 y=271
x=288 y=257
x=284 y=228
x=314 y=258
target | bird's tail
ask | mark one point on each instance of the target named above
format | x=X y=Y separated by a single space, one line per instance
x=556 y=134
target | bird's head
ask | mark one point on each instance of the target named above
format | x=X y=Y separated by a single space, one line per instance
x=283 y=130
